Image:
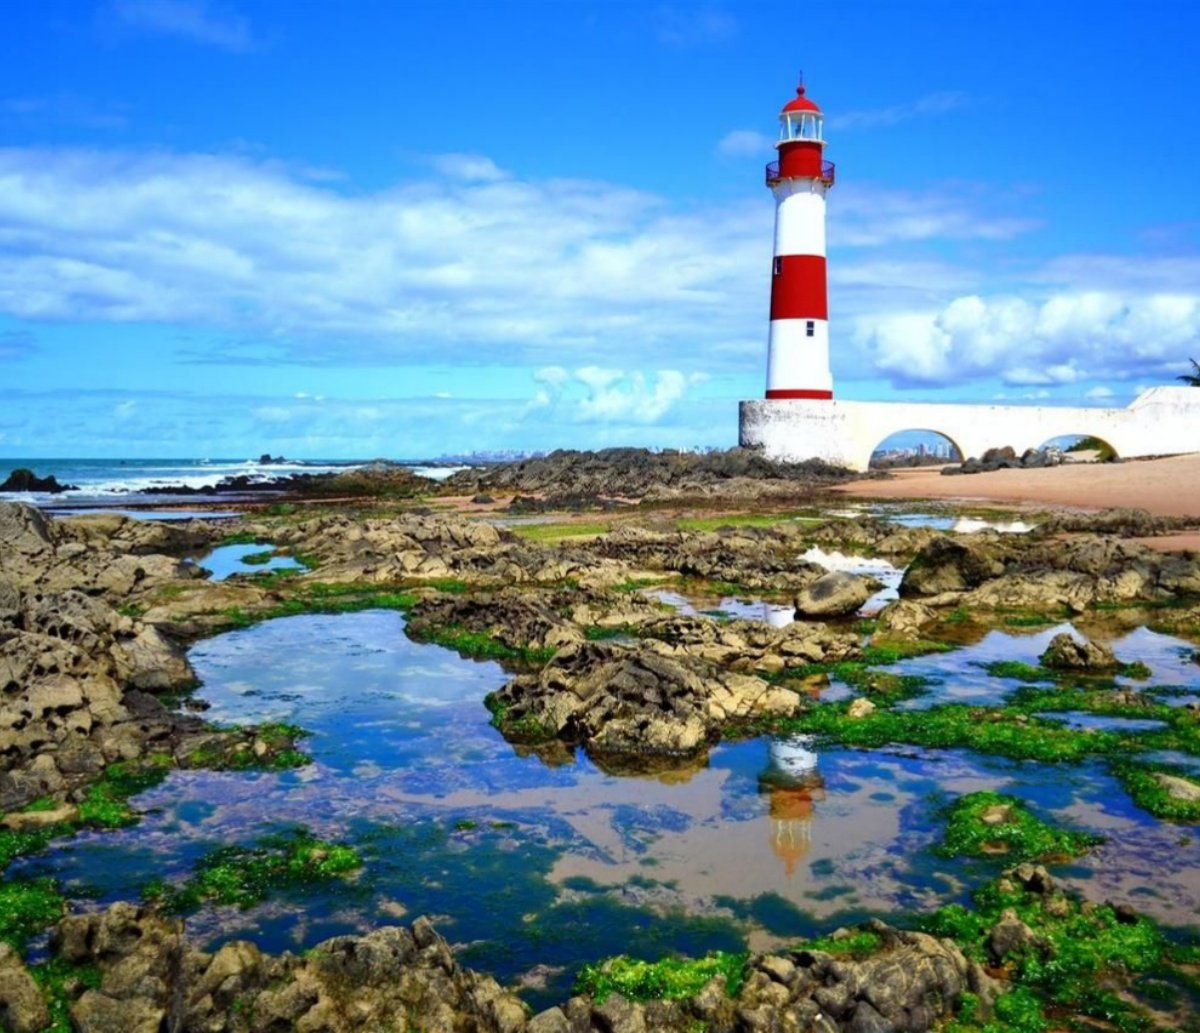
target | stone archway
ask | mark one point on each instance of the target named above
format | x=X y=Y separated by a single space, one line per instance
x=914 y=446
x=1083 y=447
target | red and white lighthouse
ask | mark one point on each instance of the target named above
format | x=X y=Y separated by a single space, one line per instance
x=798 y=346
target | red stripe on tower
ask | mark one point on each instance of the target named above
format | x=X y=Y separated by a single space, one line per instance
x=798 y=288
x=798 y=346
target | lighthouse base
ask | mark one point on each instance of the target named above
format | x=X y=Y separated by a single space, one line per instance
x=1161 y=421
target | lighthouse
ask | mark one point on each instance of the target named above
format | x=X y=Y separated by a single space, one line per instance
x=798 y=345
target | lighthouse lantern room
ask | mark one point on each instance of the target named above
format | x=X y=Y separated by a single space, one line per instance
x=798 y=345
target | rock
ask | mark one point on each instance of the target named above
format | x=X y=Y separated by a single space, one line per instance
x=836 y=594
x=21 y=821
x=903 y=619
x=1011 y=936
x=22 y=1007
x=1177 y=787
x=948 y=565
x=23 y=479
x=1067 y=653
x=860 y=707
x=633 y=701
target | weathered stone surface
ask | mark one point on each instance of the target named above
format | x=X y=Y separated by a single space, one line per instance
x=949 y=565
x=835 y=594
x=22 y=1008
x=904 y=619
x=1179 y=788
x=633 y=700
x=1068 y=653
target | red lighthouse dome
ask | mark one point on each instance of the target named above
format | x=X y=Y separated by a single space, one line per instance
x=801 y=103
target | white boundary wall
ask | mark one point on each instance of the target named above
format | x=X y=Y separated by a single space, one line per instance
x=1161 y=421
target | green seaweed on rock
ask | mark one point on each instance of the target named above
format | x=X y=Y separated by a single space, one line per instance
x=989 y=824
x=26 y=908
x=665 y=979
x=245 y=876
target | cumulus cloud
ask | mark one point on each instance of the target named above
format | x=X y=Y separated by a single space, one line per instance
x=595 y=394
x=1062 y=339
x=431 y=268
x=194 y=20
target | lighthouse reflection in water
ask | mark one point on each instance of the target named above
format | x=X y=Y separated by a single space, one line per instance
x=793 y=785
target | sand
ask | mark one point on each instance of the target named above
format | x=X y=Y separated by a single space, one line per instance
x=1165 y=487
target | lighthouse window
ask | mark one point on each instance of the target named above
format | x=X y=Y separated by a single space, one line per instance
x=810 y=328
x=778 y=266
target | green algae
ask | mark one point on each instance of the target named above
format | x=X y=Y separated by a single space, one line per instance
x=1018 y=670
x=245 y=876
x=859 y=943
x=1002 y=731
x=1146 y=790
x=1078 y=959
x=272 y=748
x=61 y=984
x=258 y=559
x=992 y=825
x=481 y=646
x=26 y=908
x=665 y=979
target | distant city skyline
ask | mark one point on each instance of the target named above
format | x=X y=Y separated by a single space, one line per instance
x=232 y=227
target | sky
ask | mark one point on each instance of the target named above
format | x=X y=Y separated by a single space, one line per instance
x=408 y=229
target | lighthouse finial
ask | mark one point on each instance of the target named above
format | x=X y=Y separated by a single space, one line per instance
x=800 y=84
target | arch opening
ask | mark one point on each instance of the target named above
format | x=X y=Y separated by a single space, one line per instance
x=1081 y=448
x=916 y=446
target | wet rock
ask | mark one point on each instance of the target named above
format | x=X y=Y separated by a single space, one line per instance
x=22 y=1007
x=633 y=700
x=1012 y=937
x=1068 y=653
x=860 y=707
x=949 y=565
x=23 y=479
x=1177 y=787
x=515 y=619
x=904 y=619
x=835 y=594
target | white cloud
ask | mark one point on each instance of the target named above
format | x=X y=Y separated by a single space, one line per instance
x=1061 y=339
x=470 y=168
x=195 y=20
x=594 y=394
x=745 y=143
x=427 y=269
x=931 y=104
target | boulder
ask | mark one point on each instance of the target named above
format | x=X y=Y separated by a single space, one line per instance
x=22 y=1007
x=23 y=479
x=1068 y=653
x=836 y=594
x=949 y=565
x=904 y=619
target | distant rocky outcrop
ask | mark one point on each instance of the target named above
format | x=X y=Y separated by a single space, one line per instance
x=617 y=473
x=23 y=479
x=1007 y=459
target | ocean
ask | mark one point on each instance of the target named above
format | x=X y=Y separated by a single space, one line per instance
x=112 y=482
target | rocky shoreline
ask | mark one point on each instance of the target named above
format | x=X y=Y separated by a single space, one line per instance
x=96 y=613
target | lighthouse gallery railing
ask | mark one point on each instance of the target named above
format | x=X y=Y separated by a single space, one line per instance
x=773 y=176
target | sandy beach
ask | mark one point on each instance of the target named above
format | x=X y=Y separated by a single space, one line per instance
x=1165 y=487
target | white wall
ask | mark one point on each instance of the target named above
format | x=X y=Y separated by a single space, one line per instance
x=1161 y=421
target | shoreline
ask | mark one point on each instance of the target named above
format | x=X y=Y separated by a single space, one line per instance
x=1168 y=487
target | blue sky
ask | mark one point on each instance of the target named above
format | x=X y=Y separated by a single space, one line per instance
x=405 y=229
